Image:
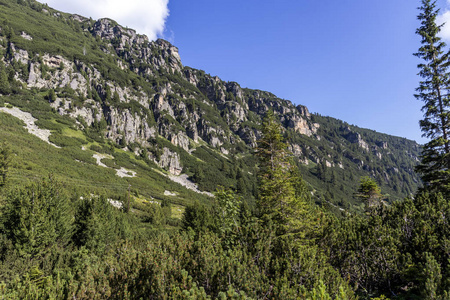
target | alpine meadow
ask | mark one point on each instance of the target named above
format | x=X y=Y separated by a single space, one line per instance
x=126 y=175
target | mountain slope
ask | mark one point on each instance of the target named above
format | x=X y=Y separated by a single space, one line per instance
x=98 y=84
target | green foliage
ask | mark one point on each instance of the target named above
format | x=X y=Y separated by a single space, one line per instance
x=49 y=124
x=276 y=191
x=65 y=141
x=4 y=163
x=395 y=250
x=210 y=100
x=388 y=163
x=4 y=82
x=433 y=277
x=198 y=217
x=98 y=225
x=280 y=193
x=228 y=210
x=369 y=192
x=37 y=217
x=51 y=95
x=433 y=91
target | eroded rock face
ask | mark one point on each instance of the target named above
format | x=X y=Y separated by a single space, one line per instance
x=354 y=137
x=166 y=104
x=190 y=76
x=21 y=56
x=249 y=135
x=235 y=89
x=130 y=127
x=230 y=98
x=60 y=75
x=162 y=105
x=129 y=45
x=86 y=113
x=26 y=36
x=301 y=125
x=170 y=161
x=382 y=144
x=180 y=139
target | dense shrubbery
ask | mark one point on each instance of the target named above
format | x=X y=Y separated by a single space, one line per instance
x=96 y=251
x=65 y=141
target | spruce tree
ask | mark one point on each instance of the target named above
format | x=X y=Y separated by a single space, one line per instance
x=37 y=217
x=434 y=91
x=369 y=192
x=281 y=200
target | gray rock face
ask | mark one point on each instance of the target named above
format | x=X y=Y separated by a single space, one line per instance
x=128 y=126
x=135 y=48
x=236 y=106
x=382 y=145
x=26 y=36
x=162 y=105
x=181 y=140
x=108 y=29
x=249 y=136
x=301 y=125
x=139 y=93
x=354 y=137
x=190 y=76
x=170 y=161
x=235 y=89
x=56 y=77
x=303 y=110
x=79 y=18
x=175 y=121
x=21 y=56
x=86 y=113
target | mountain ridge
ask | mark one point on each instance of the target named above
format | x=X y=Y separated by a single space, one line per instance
x=136 y=93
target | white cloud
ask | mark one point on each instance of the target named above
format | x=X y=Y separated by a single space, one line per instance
x=444 y=18
x=145 y=16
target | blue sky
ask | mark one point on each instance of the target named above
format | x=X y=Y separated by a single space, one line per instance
x=349 y=59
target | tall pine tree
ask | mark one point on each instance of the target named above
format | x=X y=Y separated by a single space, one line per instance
x=283 y=197
x=434 y=91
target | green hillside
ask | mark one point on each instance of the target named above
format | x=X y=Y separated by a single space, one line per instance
x=94 y=74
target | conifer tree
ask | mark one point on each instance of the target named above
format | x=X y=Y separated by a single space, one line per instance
x=434 y=91
x=38 y=217
x=280 y=187
x=369 y=192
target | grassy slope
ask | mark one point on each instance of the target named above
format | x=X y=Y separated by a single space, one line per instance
x=33 y=158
